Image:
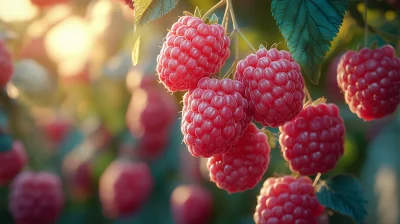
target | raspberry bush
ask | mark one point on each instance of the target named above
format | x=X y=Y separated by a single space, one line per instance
x=220 y=111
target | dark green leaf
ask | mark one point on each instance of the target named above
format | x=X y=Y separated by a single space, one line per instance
x=343 y=193
x=148 y=10
x=6 y=143
x=308 y=27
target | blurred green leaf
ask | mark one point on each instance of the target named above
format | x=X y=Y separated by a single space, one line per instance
x=343 y=193
x=6 y=142
x=309 y=29
x=380 y=176
x=148 y=10
x=135 y=52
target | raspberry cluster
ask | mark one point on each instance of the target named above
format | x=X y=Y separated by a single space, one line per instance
x=192 y=50
x=370 y=81
x=287 y=200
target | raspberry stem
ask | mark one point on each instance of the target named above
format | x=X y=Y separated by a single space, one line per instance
x=309 y=98
x=316 y=179
x=225 y=19
x=216 y=6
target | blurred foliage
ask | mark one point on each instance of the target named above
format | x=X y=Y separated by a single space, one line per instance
x=89 y=91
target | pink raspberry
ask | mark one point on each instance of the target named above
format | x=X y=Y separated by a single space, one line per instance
x=313 y=142
x=274 y=86
x=370 y=81
x=191 y=204
x=151 y=145
x=214 y=116
x=192 y=50
x=150 y=110
x=36 y=198
x=287 y=200
x=12 y=162
x=78 y=174
x=124 y=187
x=6 y=65
x=244 y=165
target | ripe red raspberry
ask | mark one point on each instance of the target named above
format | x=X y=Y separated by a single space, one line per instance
x=192 y=50
x=6 y=65
x=214 y=116
x=78 y=175
x=151 y=145
x=370 y=80
x=191 y=204
x=48 y=3
x=12 y=162
x=150 y=110
x=244 y=165
x=124 y=187
x=287 y=200
x=36 y=198
x=313 y=142
x=274 y=86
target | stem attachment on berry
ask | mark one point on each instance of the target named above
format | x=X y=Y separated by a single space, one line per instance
x=216 y=6
x=316 y=179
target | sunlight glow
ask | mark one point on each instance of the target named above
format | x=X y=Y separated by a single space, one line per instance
x=17 y=10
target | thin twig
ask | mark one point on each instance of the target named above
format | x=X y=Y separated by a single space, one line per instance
x=247 y=41
x=316 y=179
x=219 y=4
x=225 y=19
x=308 y=95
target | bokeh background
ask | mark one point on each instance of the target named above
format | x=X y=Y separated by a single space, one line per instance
x=72 y=86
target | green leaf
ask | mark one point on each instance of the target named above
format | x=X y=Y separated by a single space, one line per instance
x=135 y=52
x=148 y=10
x=343 y=193
x=6 y=143
x=308 y=27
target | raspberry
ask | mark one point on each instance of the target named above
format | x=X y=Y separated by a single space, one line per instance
x=78 y=175
x=36 y=198
x=150 y=110
x=6 y=65
x=124 y=187
x=287 y=200
x=48 y=3
x=151 y=145
x=192 y=50
x=12 y=162
x=274 y=86
x=244 y=165
x=214 y=116
x=313 y=142
x=191 y=204
x=370 y=81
